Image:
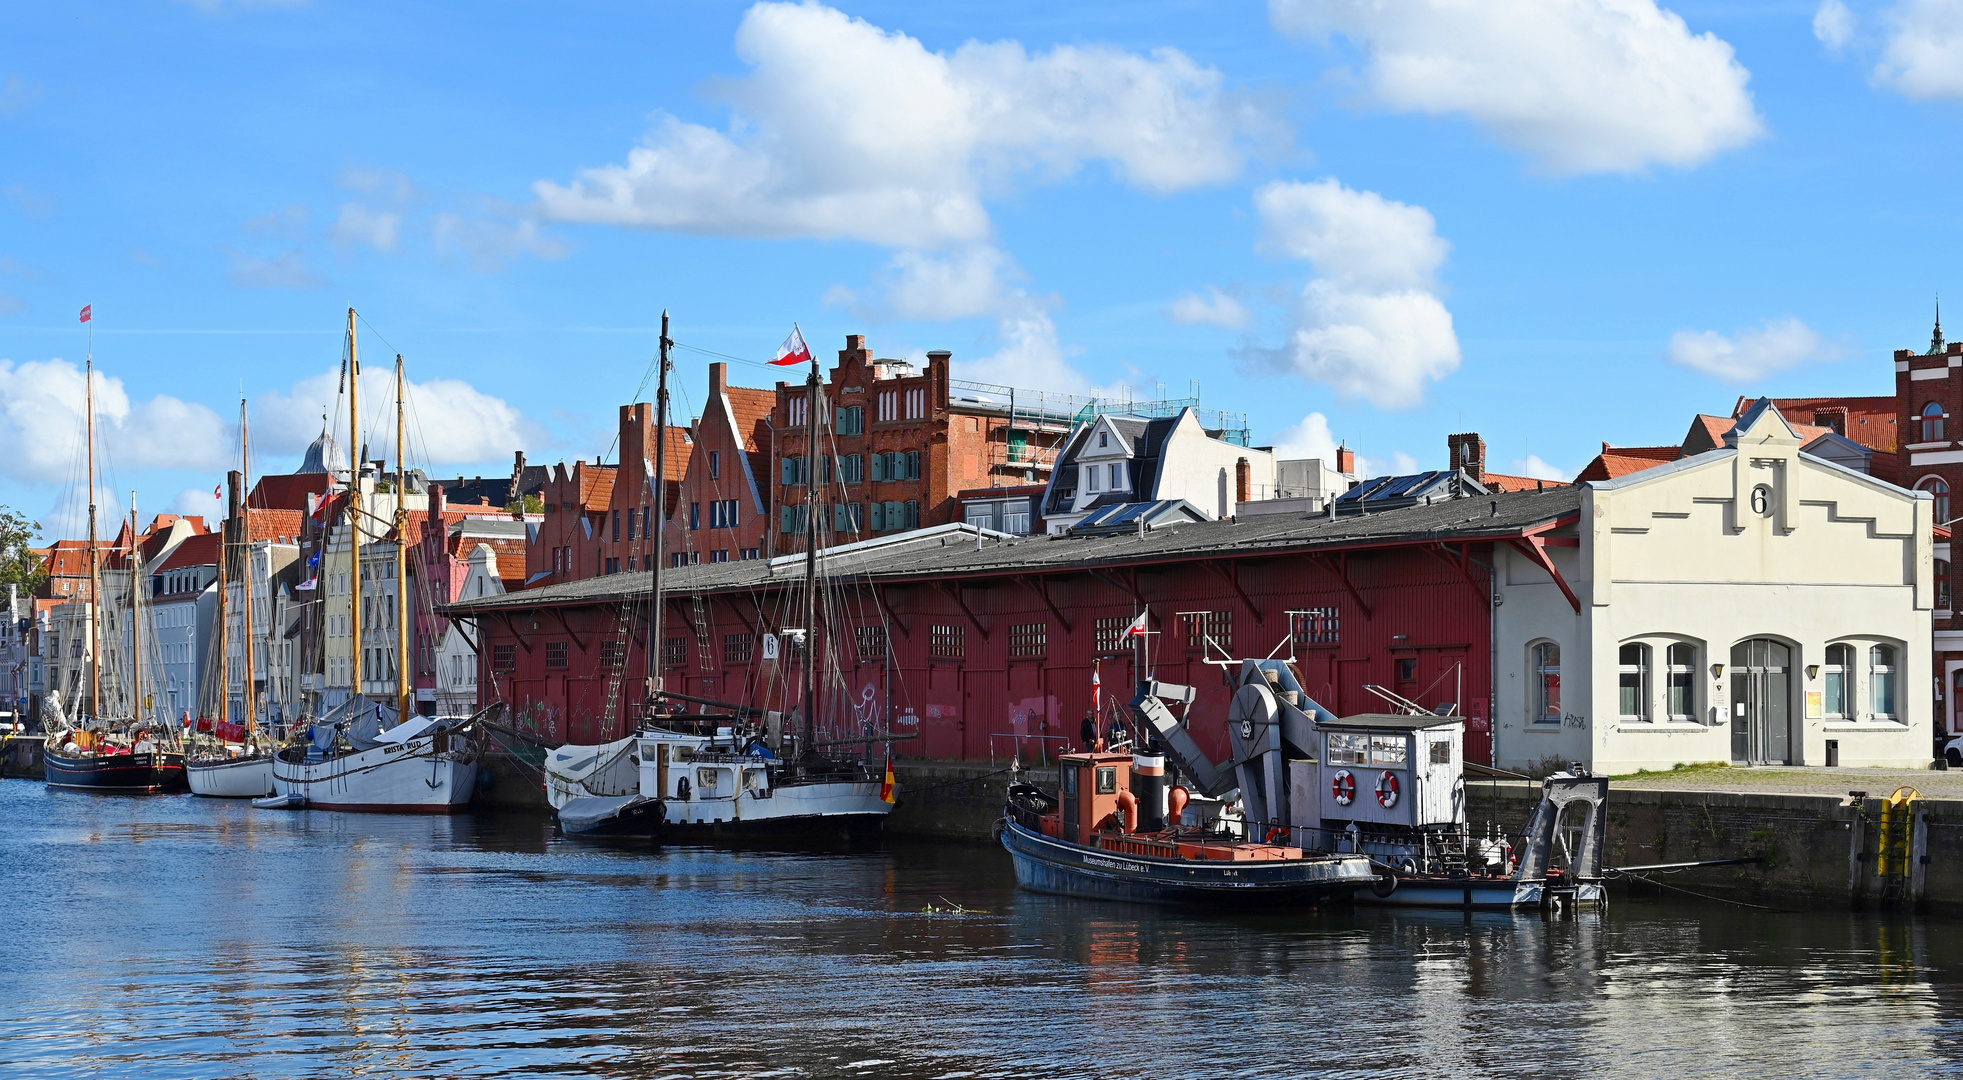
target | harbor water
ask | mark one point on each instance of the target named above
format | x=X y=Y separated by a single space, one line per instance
x=168 y=936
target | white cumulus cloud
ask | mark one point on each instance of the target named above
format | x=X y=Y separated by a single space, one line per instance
x=1923 y=54
x=845 y=130
x=451 y=422
x=1310 y=438
x=1534 y=467
x=1833 y=24
x=1749 y=354
x=1216 y=308
x=1582 y=86
x=42 y=422
x=1370 y=326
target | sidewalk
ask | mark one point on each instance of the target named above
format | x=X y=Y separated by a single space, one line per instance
x=1802 y=780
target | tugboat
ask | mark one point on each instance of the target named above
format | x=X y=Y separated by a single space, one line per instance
x=1107 y=836
x=1389 y=787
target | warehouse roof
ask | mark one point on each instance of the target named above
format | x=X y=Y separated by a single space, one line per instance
x=958 y=551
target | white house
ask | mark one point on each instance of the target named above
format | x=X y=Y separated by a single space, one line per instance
x=456 y=653
x=1751 y=604
x=1114 y=460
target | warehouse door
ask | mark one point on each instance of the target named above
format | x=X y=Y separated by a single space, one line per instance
x=1761 y=702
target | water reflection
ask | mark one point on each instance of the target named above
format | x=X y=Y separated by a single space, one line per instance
x=183 y=937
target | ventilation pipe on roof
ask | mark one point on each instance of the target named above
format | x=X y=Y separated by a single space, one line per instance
x=1496 y=508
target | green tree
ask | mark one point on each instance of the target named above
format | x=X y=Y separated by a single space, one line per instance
x=19 y=565
x=533 y=505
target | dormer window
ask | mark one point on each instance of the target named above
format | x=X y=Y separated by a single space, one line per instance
x=1932 y=422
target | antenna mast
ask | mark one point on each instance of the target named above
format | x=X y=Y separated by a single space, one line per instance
x=660 y=515
x=251 y=695
x=811 y=397
x=401 y=559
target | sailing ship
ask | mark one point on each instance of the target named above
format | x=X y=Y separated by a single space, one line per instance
x=232 y=761
x=91 y=751
x=737 y=774
x=363 y=755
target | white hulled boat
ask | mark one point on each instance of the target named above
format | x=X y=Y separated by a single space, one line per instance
x=743 y=776
x=240 y=767
x=363 y=755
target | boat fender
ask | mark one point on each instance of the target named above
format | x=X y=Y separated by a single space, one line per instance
x=1385 y=884
x=1343 y=787
x=1176 y=801
x=681 y=789
x=1387 y=790
x=1128 y=803
x=995 y=832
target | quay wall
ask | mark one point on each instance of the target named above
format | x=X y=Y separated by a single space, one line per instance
x=1815 y=850
x=21 y=757
x=955 y=801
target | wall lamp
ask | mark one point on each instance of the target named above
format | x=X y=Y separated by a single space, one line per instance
x=1717 y=671
x=1812 y=671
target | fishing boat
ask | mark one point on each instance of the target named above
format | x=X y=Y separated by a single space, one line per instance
x=229 y=760
x=91 y=751
x=365 y=755
x=1099 y=837
x=738 y=774
x=1387 y=787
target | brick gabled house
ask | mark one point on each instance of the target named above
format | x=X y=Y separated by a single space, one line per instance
x=721 y=508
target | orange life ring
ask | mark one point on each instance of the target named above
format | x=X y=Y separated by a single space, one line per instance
x=1344 y=787
x=1387 y=790
x=1277 y=834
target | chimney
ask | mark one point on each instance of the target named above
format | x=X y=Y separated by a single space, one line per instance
x=1346 y=461
x=1243 y=481
x=718 y=377
x=1468 y=454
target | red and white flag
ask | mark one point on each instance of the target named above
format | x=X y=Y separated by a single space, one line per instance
x=218 y=491
x=793 y=350
x=1097 y=691
x=1138 y=625
x=88 y=313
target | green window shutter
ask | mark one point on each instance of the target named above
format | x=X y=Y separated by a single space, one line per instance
x=879 y=466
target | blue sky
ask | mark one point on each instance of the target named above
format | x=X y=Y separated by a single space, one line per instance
x=1556 y=222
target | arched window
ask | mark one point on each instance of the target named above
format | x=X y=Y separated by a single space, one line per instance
x=1547 y=683
x=1932 y=422
x=1939 y=488
x=1683 y=681
x=1834 y=675
x=1633 y=681
x=1881 y=681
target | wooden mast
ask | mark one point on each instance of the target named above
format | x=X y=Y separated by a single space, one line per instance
x=136 y=619
x=660 y=516
x=224 y=708
x=95 y=557
x=354 y=507
x=245 y=575
x=811 y=504
x=401 y=559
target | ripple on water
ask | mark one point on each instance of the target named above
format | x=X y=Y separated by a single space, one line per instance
x=169 y=937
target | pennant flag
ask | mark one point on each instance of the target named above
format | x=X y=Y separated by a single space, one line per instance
x=218 y=491
x=88 y=313
x=886 y=787
x=307 y=585
x=1138 y=625
x=1097 y=691
x=793 y=350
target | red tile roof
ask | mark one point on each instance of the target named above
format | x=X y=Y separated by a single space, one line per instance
x=1503 y=482
x=1869 y=421
x=281 y=525
x=287 y=492
x=1615 y=462
x=200 y=550
x=511 y=568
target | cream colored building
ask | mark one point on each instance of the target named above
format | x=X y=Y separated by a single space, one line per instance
x=378 y=590
x=1750 y=604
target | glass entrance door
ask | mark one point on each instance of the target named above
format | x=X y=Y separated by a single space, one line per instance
x=1761 y=702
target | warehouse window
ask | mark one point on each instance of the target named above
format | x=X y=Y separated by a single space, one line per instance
x=1029 y=639
x=1632 y=681
x=947 y=642
x=556 y=655
x=1315 y=626
x=871 y=641
x=1547 y=683
x=1202 y=627
x=1881 y=681
x=504 y=659
x=736 y=648
x=1683 y=681
x=1833 y=681
x=674 y=651
x=1111 y=633
x=613 y=654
